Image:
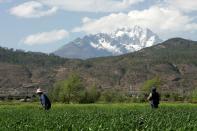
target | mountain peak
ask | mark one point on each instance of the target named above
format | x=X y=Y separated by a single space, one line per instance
x=121 y=41
x=129 y=28
x=135 y=31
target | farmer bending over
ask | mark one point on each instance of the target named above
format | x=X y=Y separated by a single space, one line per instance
x=44 y=100
x=154 y=98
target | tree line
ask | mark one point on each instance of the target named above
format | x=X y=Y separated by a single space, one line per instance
x=73 y=90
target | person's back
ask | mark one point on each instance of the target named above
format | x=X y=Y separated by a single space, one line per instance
x=45 y=101
x=154 y=98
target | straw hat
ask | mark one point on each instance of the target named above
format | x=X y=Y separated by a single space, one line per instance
x=39 y=91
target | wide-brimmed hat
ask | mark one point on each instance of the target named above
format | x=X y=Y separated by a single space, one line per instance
x=39 y=91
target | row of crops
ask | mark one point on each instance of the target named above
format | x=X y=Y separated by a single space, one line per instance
x=99 y=117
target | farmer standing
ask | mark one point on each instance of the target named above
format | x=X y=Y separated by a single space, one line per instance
x=154 y=98
x=44 y=99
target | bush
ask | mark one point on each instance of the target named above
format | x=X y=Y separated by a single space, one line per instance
x=54 y=92
x=68 y=90
x=165 y=96
x=175 y=97
x=91 y=95
x=155 y=82
x=194 y=96
x=114 y=96
x=108 y=96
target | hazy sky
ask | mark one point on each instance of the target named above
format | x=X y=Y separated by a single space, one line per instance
x=46 y=25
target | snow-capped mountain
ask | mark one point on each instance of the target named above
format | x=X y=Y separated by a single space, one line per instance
x=121 y=41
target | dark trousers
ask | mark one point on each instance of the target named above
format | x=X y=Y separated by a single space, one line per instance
x=154 y=105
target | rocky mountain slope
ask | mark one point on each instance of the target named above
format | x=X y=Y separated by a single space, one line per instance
x=173 y=61
x=122 y=41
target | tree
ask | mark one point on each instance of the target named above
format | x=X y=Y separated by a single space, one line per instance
x=155 y=82
x=55 y=91
x=71 y=89
x=113 y=95
x=92 y=95
x=194 y=96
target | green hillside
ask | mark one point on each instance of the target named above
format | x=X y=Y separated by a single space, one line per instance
x=172 y=62
x=29 y=58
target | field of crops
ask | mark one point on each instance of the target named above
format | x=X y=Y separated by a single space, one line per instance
x=98 y=117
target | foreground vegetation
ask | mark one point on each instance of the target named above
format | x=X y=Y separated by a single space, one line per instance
x=98 y=117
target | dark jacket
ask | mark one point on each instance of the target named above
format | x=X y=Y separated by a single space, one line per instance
x=45 y=101
x=155 y=98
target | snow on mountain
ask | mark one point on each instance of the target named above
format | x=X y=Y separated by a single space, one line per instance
x=121 y=41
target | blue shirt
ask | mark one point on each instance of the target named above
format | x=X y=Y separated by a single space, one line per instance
x=45 y=101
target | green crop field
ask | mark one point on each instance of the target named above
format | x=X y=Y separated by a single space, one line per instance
x=120 y=117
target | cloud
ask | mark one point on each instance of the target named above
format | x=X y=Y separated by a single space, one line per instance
x=45 y=37
x=183 y=5
x=161 y=20
x=91 y=5
x=32 y=9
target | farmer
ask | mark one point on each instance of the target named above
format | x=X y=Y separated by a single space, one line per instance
x=154 y=98
x=44 y=99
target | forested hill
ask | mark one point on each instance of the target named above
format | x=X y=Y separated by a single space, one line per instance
x=22 y=72
x=174 y=62
x=29 y=58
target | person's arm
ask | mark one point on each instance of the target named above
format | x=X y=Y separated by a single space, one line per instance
x=149 y=97
x=43 y=100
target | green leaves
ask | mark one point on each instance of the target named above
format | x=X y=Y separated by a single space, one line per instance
x=156 y=82
x=194 y=96
x=71 y=89
x=102 y=117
